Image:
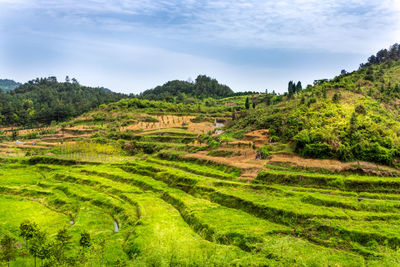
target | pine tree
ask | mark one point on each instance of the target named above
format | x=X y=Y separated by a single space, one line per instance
x=299 y=87
x=247 y=103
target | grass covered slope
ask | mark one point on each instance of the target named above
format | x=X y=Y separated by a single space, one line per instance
x=156 y=183
x=354 y=116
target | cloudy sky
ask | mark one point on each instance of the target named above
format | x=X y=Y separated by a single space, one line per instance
x=133 y=45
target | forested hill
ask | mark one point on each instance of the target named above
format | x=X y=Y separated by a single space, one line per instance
x=354 y=116
x=8 y=85
x=45 y=100
x=176 y=91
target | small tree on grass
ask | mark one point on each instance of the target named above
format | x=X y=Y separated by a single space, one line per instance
x=14 y=135
x=336 y=97
x=85 y=240
x=8 y=249
x=45 y=251
x=27 y=231
x=39 y=248
x=63 y=239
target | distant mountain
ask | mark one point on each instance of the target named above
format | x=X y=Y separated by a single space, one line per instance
x=8 y=85
x=45 y=100
x=177 y=91
x=106 y=90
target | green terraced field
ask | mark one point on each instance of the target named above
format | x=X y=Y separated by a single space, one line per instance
x=174 y=212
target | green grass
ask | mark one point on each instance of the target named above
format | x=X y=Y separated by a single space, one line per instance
x=346 y=183
x=14 y=210
x=176 y=212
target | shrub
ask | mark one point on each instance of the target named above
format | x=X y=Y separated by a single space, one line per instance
x=213 y=143
x=344 y=153
x=360 y=109
x=265 y=151
x=336 y=97
x=199 y=118
x=317 y=150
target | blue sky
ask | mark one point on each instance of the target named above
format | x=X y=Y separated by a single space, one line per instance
x=133 y=45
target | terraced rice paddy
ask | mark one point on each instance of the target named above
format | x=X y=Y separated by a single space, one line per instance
x=169 y=209
x=175 y=212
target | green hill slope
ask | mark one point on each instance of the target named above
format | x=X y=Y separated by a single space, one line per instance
x=203 y=87
x=354 y=116
x=46 y=100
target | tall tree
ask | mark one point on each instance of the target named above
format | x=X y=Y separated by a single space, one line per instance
x=247 y=103
x=299 y=87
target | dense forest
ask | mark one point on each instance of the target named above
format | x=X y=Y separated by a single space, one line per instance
x=8 y=85
x=45 y=100
x=180 y=91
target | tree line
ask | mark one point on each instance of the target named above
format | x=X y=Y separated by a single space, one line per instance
x=39 y=246
x=383 y=55
x=44 y=100
x=176 y=91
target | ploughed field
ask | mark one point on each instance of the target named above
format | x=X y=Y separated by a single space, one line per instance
x=180 y=211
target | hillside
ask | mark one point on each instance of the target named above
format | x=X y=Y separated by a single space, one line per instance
x=149 y=181
x=184 y=91
x=8 y=85
x=226 y=182
x=45 y=100
x=354 y=116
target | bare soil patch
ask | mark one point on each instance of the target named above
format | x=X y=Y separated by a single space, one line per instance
x=166 y=121
x=333 y=165
x=246 y=162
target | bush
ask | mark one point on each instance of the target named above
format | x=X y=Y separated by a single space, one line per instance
x=32 y=135
x=336 y=97
x=213 y=143
x=344 y=153
x=199 y=118
x=360 y=109
x=265 y=151
x=274 y=139
x=149 y=119
x=368 y=151
x=317 y=150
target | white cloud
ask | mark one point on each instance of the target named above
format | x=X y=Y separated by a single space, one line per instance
x=113 y=56
x=338 y=26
